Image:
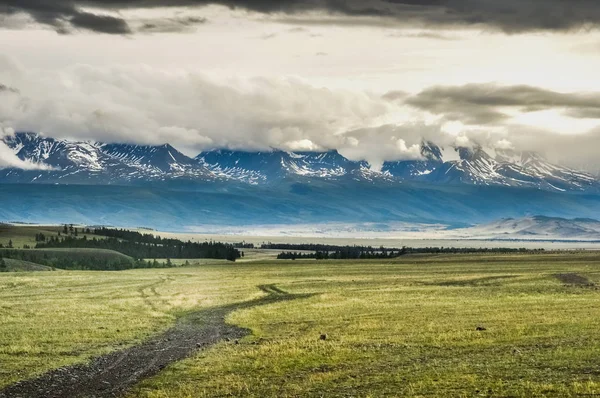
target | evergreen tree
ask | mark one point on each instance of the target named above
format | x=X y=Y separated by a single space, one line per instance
x=3 y=267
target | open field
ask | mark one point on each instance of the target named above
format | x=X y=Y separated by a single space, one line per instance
x=400 y=327
x=22 y=235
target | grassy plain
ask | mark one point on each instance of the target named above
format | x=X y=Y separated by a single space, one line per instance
x=403 y=327
x=22 y=235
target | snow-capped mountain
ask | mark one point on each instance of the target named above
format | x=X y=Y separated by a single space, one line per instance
x=257 y=167
x=91 y=162
x=101 y=163
x=488 y=166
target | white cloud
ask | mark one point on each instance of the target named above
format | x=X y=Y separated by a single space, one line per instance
x=463 y=140
x=192 y=111
x=302 y=145
x=9 y=159
x=143 y=104
x=504 y=144
x=390 y=142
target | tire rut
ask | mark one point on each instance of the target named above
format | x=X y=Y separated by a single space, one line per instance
x=111 y=375
x=147 y=298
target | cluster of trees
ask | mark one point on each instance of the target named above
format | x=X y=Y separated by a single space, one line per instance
x=142 y=246
x=324 y=252
x=69 y=229
x=10 y=244
x=243 y=245
x=318 y=247
x=345 y=253
x=294 y=255
x=40 y=237
x=132 y=236
x=469 y=250
x=3 y=266
x=331 y=252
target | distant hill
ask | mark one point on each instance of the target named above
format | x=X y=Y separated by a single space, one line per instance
x=24 y=266
x=540 y=228
x=179 y=209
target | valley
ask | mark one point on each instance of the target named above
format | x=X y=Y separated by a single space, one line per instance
x=299 y=199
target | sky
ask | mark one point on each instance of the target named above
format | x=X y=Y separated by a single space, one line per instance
x=370 y=78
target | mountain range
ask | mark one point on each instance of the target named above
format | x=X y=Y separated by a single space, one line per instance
x=75 y=162
x=160 y=187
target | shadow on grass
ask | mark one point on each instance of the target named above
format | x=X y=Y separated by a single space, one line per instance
x=111 y=375
x=572 y=279
x=485 y=281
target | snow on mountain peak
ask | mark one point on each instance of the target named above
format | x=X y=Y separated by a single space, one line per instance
x=86 y=162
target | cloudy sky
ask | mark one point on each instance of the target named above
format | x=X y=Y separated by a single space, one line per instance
x=371 y=78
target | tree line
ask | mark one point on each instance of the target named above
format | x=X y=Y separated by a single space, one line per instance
x=143 y=246
x=332 y=252
x=3 y=266
x=347 y=253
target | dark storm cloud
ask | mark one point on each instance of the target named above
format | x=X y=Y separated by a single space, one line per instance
x=483 y=103
x=99 y=23
x=511 y=16
x=6 y=89
x=64 y=15
x=171 y=25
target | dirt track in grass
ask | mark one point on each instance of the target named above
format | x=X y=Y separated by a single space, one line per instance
x=113 y=374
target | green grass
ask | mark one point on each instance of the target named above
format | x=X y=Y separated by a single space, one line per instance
x=22 y=235
x=403 y=327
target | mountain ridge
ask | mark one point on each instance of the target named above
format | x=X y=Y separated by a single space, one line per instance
x=86 y=162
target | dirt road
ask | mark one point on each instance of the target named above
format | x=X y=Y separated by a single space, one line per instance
x=113 y=374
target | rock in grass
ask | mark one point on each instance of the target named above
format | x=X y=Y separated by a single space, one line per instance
x=481 y=329
x=323 y=336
